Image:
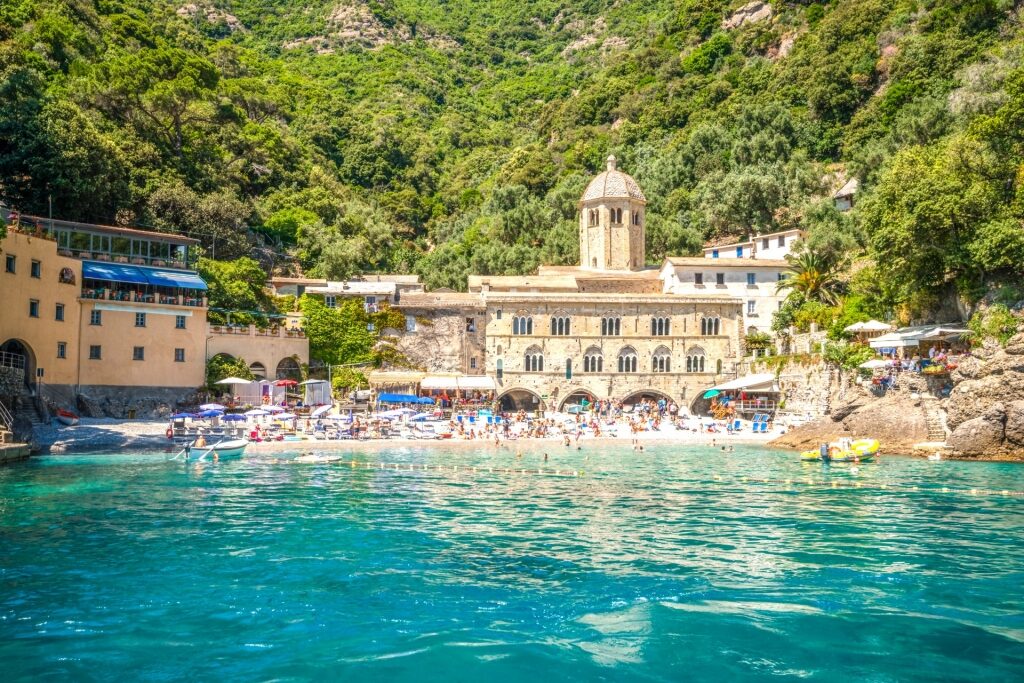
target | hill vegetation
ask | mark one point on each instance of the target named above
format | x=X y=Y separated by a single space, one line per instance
x=447 y=137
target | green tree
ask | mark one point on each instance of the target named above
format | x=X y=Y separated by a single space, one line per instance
x=813 y=276
x=237 y=288
x=223 y=366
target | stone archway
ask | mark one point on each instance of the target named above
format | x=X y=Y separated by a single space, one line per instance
x=520 y=399
x=649 y=394
x=18 y=362
x=288 y=368
x=576 y=397
x=258 y=370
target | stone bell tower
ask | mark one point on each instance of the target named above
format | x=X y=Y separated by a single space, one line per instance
x=612 y=222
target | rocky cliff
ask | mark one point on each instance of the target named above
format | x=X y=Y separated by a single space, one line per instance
x=986 y=407
x=897 y=420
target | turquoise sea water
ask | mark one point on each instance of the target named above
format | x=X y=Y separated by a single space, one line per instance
x=673 y=564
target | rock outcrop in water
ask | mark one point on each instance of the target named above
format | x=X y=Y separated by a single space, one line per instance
x=986 y=407
x=896 y=419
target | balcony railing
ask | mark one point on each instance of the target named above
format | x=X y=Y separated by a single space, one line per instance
x=253 y=331
x=106 y=294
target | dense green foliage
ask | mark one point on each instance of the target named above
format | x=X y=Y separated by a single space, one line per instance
x=236 y=286
x=453 y=137
x=995 y=322
x=223 y=366
x=349 y=334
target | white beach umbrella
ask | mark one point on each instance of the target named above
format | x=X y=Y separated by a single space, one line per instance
x=212 y=406
x=284 y=416
x=856 y=327
x=875 y=326
x=873 y=364
x=274 y=409
x=234 y=380
x=255 y=412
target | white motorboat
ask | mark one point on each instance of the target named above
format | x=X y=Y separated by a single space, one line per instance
x=233 y=448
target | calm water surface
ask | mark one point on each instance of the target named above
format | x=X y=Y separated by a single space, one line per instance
x=663 y=566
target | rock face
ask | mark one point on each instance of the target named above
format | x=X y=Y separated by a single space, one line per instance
x=980 y=435
x=748 y=14
x=985 y=410
x=897 y=420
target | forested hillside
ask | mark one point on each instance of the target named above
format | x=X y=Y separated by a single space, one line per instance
x=455 y=136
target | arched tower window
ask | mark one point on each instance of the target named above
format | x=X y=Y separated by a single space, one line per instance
x=611 y=326
x=593 y=360
x=627 y=360
x=560 y=326
x=709 y=327
x=533 y=360
x=661 y=360
x=522 y=324
x=661 y=326
x=695 y=359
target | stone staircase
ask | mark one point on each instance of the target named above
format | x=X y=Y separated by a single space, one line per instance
x=935 y=420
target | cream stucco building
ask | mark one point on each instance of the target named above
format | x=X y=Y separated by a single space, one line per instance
x=113 y=320
x=611 y=327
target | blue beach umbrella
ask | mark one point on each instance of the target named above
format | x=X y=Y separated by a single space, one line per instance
x=210 y=413
x=234 y=418
x=712 y=393
x=182 y=416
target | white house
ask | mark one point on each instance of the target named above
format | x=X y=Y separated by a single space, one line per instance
x=753 y=281
x=843 y=198
x=373 y=289
x=771 y=246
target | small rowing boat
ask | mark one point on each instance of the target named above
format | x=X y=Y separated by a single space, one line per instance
x=233 y=448
x=67 y=417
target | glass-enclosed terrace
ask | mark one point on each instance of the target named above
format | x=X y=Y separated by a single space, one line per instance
x=121 y=245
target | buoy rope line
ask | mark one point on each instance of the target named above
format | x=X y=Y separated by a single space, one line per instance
x=794 y=482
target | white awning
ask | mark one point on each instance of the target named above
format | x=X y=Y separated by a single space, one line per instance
x=896 y=340
x=396 y=378
x=440 y=382
x=944 y=333
x=482 y=382
x=875 y=326
x=873 y=364
x=761 y=382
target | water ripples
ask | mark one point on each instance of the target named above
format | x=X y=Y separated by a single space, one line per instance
x=670 y=564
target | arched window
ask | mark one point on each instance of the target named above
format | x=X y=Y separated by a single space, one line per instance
x=709 y=327
x=636 y=218
x=718 y=366
x=560 y=326
x=522 y=324
x=533 y=361
x=499 y=368
x=611 y=326
x=616 y=215
x=661 y=326
x=627 y=360
x=695 y=359
x=258 y=370
x=593 y=360
x=661 y=361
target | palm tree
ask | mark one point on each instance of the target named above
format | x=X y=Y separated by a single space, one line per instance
x=814 y=276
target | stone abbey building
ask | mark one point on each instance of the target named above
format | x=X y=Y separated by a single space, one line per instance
x=609 y=328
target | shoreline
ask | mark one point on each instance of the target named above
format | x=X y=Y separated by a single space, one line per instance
x=95 y=434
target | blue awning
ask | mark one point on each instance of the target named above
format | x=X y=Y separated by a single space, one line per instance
x=397 y=398
x=113 y=272
x=173 y=278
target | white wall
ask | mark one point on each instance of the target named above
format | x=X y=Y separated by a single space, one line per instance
x=680 y=280
x=774 y=251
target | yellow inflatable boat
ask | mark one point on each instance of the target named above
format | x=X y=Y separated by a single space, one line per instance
x=846 y=450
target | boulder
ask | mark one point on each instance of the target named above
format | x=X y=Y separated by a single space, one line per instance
x=1014 y=429
x=980 y=435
